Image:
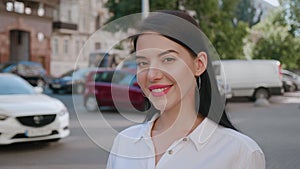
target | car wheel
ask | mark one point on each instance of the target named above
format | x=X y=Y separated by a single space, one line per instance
x=293 y=88
x=79 y=89
x=261 y=93
x=91 y=104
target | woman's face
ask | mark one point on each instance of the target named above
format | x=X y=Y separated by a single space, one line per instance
x=166 y=71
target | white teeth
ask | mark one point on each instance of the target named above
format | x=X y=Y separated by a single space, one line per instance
x=159 y=90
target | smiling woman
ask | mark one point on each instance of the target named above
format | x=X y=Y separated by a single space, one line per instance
x=190 y=129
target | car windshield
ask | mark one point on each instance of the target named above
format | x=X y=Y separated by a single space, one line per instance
x=77 y=74
x=14 y=85
x=81 y=73
x=7 y=67
x=68 y=73
x=115 y=77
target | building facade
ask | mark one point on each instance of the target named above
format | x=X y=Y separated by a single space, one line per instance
x=25 y=30
x=74 y=22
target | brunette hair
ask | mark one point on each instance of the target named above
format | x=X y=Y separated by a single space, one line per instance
x=203 y=104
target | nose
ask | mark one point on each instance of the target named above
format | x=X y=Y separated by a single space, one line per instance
x=154 y=74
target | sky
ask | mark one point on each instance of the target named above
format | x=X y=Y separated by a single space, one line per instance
x=273 y=2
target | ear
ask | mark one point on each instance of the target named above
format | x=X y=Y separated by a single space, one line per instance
x=200 y=63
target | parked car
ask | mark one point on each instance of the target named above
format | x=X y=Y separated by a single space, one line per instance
x=27 y=115
x=252 y=78
x=33 y=72
x=128 y=64
x=223 y=86
x=73 y=79
x=288 y=85
x=113 y=88
x=293 y=77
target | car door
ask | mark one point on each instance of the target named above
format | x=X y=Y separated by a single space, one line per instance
x=103 y=88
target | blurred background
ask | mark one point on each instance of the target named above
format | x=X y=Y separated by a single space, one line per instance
x=45 y=43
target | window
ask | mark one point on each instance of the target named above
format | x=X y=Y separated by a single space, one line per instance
x=41 y=10
x=66 y=46
x=104 y=77
x=19 y=7
x=28 y=10
x=9 y=6
x=69 y=16
x=77 y=47
x=55 y=46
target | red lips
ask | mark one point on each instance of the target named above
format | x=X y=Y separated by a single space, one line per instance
x=159 y=90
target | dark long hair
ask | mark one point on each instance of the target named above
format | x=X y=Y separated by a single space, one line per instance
x=206 y=90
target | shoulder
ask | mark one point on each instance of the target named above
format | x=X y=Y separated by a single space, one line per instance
x=239 y=138
x=134 y=131
x=128 y=143
x=131 y=134
x=248 y=151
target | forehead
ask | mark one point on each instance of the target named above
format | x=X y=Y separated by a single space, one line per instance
x=157 y=42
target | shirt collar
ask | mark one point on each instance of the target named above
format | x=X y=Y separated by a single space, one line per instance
x=145 y=133
x=199 y=136
x=203 y=132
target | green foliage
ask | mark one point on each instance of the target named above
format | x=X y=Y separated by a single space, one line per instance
x=163 y=5
x=215 y=19
x=246 y=12
x=291 y=13
x=271 y=39
x=121 y=8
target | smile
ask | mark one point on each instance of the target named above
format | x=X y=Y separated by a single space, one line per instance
x=159 y=90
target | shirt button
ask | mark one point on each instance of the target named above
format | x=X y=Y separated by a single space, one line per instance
x=170 y=152
x=184 y=139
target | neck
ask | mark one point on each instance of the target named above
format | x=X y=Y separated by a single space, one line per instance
x=181 y=118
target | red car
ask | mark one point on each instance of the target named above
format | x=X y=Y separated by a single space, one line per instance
x=113 y=88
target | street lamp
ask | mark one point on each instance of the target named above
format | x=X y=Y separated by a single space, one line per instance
x=145 y=8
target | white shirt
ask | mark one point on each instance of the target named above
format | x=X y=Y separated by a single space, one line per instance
x=209 y=146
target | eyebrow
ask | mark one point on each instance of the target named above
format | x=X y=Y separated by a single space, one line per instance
x=167 y=52
x=160 y=54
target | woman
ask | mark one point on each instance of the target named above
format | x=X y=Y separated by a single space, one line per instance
x=191 y=129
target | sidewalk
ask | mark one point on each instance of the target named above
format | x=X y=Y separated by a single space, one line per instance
x=291 y=97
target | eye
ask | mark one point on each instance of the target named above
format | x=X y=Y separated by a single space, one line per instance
x=141 y=63
x=168 y=59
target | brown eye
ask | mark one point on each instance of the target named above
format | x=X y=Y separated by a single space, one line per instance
x=168 y=59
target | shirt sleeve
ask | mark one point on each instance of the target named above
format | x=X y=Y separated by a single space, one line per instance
x=255 y=160
x=109 y=162
x=111 y=157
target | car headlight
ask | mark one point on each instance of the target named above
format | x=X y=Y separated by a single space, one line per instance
x=3 y=117
x=63 y=112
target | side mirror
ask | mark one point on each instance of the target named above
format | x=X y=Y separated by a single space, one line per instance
x=38 y=89
x=136 y=84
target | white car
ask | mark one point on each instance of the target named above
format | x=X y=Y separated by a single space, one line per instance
x=27 y=115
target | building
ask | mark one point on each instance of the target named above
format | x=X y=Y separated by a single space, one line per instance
x=25 y=30
x=74 y=22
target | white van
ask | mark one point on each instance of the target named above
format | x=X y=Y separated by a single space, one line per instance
x=251 y=78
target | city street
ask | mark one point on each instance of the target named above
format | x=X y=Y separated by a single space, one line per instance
x=275 y=128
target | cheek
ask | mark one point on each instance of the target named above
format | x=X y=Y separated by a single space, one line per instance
x=184 y=78
x=141 y=79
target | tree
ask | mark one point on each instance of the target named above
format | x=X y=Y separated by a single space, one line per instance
x=215 y=19
x=271 y=39
x=248 y=13
x=291 y=14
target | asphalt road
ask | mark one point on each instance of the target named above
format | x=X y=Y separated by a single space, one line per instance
x=275 y=128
